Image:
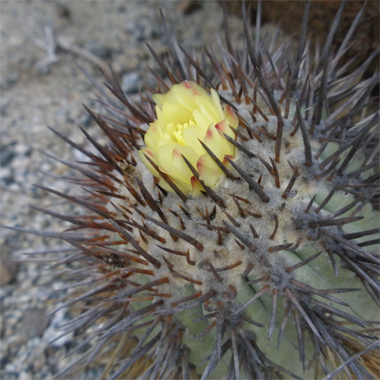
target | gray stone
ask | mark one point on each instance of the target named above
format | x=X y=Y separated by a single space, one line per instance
x=99 y=49
x=34 y=322
x=130 y=82
x=7 y=152
x=6 y=275
x=8 y=267
x=8 y=80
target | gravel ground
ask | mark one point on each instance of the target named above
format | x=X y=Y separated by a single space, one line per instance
x=41 y=85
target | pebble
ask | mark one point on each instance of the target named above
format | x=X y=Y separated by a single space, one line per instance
x=3 y=108
x=6 y=176
x=1 y=327
x=25 y=376
x=8 y=267
x=8 y=80
x=34 y=322
x=130 y=82
x=99 y=49
x=7 y=153
x=6 y=275
x=22 y=149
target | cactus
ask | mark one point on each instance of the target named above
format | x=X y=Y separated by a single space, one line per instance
x=232 y=232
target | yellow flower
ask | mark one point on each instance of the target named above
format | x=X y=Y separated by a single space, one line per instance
x=185 y=115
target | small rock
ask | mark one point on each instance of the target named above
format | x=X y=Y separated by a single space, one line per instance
x=23 y=149
x=189 y=6
x=2 y=323
x=34 y=322
x=7 y=152
x=25 y=376
x=8 y=80
x=15 y=341
x=9 y=375
x=4 y=361
x=6 y=175
x=121 y=8
x=11 y=244
x=99 y=49
x=4 y=104
x=63 y=10
x=6 y=275
x=35 y=357
x=142 y=29
x=130 y=82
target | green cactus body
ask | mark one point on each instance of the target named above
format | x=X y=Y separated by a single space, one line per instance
x=269 y=271
x=319 y=273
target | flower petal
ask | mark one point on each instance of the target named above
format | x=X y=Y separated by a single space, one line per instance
x=159 y=99
x=184 y=187
x=201 y=120
x=165 y=157
x=191 y=135
x=183 y=94
x=209 y=171
x=223 y=127
x=218 y=106
x=153 y=136
x=196 y=186
x=179 y=163
x=217 y=143
x=170 y=159
x=232 y=119
x=175 y=113
x=141 y=153
x=209 y=112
